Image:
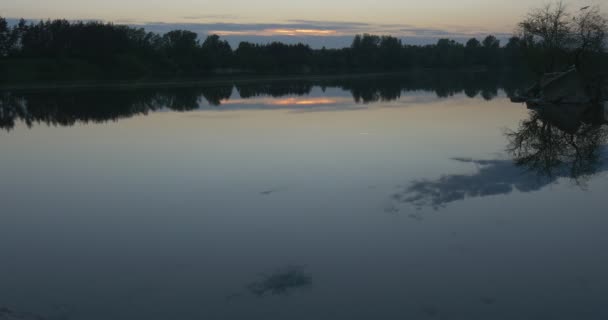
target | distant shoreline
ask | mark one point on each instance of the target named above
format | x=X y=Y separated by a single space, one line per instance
x=209 y=82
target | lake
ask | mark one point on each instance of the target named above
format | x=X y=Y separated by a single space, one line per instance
x=423 y=196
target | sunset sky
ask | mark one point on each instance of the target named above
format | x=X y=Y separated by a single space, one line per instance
x=318 y=22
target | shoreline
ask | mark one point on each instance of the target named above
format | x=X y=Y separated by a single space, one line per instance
x=204 y=82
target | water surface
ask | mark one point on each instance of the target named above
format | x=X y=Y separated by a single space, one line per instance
x=377 y=198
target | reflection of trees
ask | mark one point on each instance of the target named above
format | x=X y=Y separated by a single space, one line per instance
x=388 y=88
x=66 y=108
x=374 y=92
x=63 y=108
x=275 y=89
x=181 y=99
x=215 y=95
x=443 y=84
x=555 y=142
x=551 y=148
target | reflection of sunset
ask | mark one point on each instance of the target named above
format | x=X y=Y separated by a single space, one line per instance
x=293 y=101
x=302 y=101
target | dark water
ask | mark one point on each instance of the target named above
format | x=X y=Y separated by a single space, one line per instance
x=412 y=197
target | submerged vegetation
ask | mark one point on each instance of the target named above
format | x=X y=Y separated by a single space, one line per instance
x=61 y=49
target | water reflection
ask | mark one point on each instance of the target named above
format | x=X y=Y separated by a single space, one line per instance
x=303 y=102
x=66 y=108
x=281 y=282
x=556 y=141
x=174 y=214
x=560 y=141
x=9 y=314
x=494 y=177
x=275 y=89
x=69 y=108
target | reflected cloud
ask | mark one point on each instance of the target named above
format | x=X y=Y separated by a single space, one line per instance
x=304 y=102
x=286 y=103
x=555 y=142
x=9 y=314
x=494 y=177
x=281 y=282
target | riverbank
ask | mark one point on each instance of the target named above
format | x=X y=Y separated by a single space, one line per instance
x=219 y=80
x=157 y=83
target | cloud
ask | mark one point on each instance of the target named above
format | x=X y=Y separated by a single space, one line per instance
x=125 y=21
x=276 y=32
x=435 y=33
x=316 y=33
x=333 y=24
x=331 y=34
x=211 y=17
x=425 y=32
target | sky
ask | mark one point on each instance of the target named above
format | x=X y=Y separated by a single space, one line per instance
x=330 y=23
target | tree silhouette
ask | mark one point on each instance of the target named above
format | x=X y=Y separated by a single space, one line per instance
x=61 y=49
x=5 y=36
x=216 y=53
x=548 y=146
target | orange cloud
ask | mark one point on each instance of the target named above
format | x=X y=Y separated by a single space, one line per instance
x=311 y=32
x=274 y=32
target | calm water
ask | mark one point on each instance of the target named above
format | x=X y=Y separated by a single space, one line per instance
x=403 y=198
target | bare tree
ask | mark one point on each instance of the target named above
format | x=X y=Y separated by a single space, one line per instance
x=558 y=32
x=589 y=32
x=549 y=25
x=549 y=28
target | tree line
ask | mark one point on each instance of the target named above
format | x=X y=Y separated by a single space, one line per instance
x=60 y=48
x=547 y=39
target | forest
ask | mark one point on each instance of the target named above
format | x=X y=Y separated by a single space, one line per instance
x=75 y=50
